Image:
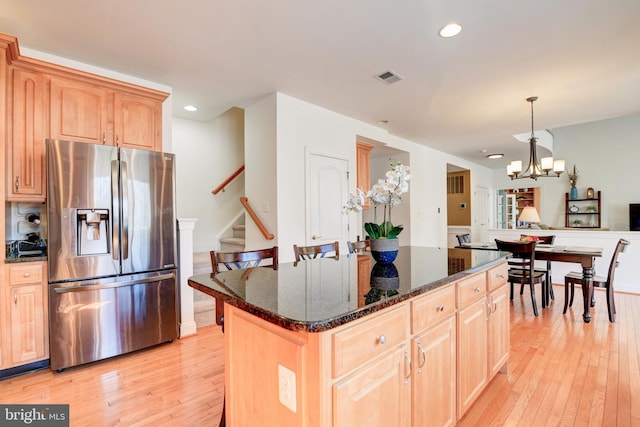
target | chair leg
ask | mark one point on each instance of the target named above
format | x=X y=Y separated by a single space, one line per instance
x=521 y=289
x=611 y=305
x=533 y=301
x=223 y=418
x=510 y=291
x=550 y=282
x=571 y=291
x=566 y=296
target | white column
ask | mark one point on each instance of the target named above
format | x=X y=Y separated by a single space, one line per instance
x=185 y=241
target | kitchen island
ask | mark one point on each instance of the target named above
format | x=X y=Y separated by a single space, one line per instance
x=339 y=342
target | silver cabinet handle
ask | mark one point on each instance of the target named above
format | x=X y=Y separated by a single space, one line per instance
x=17 y=183
x=407 y=367
x=104 y=138
x=381 y=339
x=440 y=307
x=501 y=275
x=15 y=296
x=476 y=290
x=27 y=274
x=424 y=357
x=486 y=301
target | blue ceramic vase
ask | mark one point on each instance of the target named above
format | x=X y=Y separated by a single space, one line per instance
x=384 y=250
x=573 y=195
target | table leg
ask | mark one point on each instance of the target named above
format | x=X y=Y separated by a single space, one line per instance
x=587 y=291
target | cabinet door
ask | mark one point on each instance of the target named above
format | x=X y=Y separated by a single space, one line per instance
x=498 y=329
x=28 y=127
x=472 y=354
x=79 y=112
x=363 y=168
x=434 y=376
x=27 y=323
x=137 y=122
x=376 y=395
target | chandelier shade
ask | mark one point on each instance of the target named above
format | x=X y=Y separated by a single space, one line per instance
x=535 y=169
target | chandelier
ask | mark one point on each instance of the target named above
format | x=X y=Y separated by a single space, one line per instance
x=535 y=169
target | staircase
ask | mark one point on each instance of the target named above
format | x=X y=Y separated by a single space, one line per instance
x=204 y=306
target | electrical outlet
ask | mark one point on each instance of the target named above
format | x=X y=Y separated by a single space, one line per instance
x=287 y=387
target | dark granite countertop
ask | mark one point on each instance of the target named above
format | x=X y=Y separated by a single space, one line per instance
x=320 y=294
x=25 y=259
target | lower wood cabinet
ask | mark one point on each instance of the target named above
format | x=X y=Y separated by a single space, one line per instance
x=378 y=395
x=433 y=399
x=25 y=306
x=421 y=362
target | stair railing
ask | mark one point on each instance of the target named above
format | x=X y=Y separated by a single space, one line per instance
x=226 y=182
x=254 y=217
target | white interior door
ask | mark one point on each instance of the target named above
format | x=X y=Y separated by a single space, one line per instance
x=327 y=190
x=481 y=217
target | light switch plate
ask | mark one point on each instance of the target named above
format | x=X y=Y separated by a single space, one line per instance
x=287 y=387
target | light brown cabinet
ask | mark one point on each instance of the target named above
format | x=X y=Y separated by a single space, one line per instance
x=408 y=364
x=87 y=112
x=377 y=395
x=483 y=332
x=24 y=328
x=27 y=130
x=363 y=168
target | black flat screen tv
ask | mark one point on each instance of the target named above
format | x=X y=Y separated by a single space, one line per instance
x=634 y=216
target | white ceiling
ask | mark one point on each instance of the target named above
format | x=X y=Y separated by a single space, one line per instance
x=460 y=95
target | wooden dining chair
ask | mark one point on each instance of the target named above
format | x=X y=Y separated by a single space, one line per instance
x=359 y=246
x=575 y=278
x=463 y=238
x=311 y=252
x=237 y=261
x=521 y=267
x=548 y=240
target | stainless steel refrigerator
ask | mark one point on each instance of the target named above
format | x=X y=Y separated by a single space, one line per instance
x=112 y=251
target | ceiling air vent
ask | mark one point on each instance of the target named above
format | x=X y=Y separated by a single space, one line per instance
x=389 y=77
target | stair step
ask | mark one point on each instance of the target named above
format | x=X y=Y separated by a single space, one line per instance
x=232 y=244
x=238 y=231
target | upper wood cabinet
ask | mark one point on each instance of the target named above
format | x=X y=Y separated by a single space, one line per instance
x=89 y=113
x=27 y=130
x=363 y=168
x=79 y=111
x=137 y=121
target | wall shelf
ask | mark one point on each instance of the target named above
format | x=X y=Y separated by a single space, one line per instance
x=582 y=213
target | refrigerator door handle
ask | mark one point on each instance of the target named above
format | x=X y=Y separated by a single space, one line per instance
x=124 y=175
x=83 y=288
x=115 y=254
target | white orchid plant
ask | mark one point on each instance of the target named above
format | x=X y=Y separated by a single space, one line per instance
x=386 y=193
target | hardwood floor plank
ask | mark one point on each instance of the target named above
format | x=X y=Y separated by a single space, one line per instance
x=561 y=371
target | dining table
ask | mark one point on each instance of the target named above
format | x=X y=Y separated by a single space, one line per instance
x=583 y=255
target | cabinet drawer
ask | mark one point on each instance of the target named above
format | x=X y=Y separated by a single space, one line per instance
x=471 y=289
x=21 y=274
x=375 y=334
x=429 y=309
x=497 y=276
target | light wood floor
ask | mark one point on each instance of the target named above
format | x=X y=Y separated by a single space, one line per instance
x=561 y=372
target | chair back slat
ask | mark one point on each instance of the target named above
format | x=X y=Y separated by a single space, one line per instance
x=359 y=246
x=463 y=238
x=311 y=252
x=244 y=259
x=620 y=247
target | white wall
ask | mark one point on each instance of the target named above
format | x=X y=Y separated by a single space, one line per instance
x=299 y=124
x=207 y=154
x=606 y=154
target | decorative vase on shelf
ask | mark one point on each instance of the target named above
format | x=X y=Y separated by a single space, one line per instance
x=573 y=195
x=384 y=250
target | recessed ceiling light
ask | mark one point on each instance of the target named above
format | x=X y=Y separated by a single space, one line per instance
x=450 y=30
x=495 y=156
x=383 y=122
x=190 y=108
